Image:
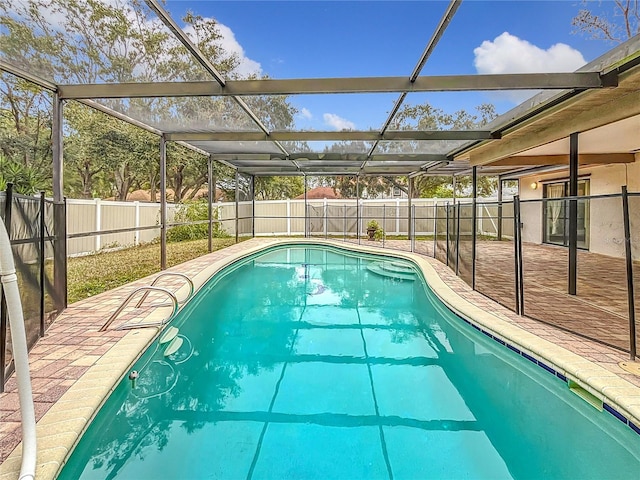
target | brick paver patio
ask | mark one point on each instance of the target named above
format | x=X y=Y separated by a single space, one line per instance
x=72 y=343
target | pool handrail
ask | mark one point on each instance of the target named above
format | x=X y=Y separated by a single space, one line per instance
x=169 y=274
x=147 y=288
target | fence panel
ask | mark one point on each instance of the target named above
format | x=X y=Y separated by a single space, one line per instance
x=425 y=224
x=634 y=227
x=465 y=243
x=271 y=218
x=495 y=258
x=441 y=244
x=28 y=232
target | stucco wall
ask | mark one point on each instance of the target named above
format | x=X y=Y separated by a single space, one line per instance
x=606 y=234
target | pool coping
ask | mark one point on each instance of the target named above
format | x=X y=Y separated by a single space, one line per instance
x=62 y=426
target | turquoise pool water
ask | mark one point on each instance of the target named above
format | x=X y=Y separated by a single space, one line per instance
x=315 y=363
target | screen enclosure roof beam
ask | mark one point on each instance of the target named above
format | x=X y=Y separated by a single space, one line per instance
x=202 y=60
x=419 y=158
x=442 y=83
x=345 y=135
x=28 y=76
x=435 y=38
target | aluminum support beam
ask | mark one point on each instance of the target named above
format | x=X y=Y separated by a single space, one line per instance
x=59 y=207
x=211 y=199
x=303 y=86
x=28 y=76
x=499 y=232
x=474 y=224
x=237 y=201
x=418 y=158
x=629 y=261
x=253 y=206
x=293 y=136
x=163 y=203
x=164 y=16
x=306 y=227
x=573 y=213
x=435 y=38
x=57 y=149
x=206 y=64
x=409 y=210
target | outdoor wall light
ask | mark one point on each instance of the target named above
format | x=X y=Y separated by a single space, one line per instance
x=534 y=185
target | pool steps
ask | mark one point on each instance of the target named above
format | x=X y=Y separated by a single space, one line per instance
x=395 y=270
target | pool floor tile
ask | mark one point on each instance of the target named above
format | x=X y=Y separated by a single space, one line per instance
x=330 y=315
x=432 y=454
x=321 y=388
x=308 y=451
x=397 y=344
x=376 y=316
x=323 y=341
x=225 y=451
x=418 y=393
x=250 y=392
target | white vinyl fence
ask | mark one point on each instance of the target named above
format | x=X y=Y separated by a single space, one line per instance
x=273 y=218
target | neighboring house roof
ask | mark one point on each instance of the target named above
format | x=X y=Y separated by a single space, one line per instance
x=320 y=192
x=145 y=195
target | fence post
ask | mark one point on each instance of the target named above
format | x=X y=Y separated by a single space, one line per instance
x=413 y=238
x=41 y=261
x=288 y=217
x=384 y=222
x=98 y=243
x=499 y=228
x=344 y=223
x=237 y=206
x=517 y=251
x=629 y=260
x=397 y=216
x=457 y=238
x=210 y=199
x=3 y=311
x=447 y=237
x=435 y=228
x=325 y=218
x=136 y=233
x=358 y=208
x=163 y=203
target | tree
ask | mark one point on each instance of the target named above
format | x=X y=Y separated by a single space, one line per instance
x=25 y=179
x=614 y=21
x=278 y=188
x=25 y=123
x=428 y=117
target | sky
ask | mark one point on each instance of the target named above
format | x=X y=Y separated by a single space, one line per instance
x=306 y=39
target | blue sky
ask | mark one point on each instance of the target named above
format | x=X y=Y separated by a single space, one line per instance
x=301 y=39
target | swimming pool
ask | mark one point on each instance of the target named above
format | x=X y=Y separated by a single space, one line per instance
x=308 y=362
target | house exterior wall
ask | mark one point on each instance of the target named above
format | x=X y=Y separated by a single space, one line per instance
x=606 y=233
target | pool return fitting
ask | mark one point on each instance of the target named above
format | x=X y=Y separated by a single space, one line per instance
x=9 y=283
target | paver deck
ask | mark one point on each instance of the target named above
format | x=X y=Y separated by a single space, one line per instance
x=73 y=343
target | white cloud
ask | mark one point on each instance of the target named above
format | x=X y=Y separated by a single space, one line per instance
x=305 y=113
x=246 y=66
x=228 y=41
x=338 y=122
x=510 y=54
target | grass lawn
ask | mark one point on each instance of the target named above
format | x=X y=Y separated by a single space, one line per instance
x=98 y=273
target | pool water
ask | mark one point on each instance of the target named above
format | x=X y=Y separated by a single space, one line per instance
x=306 y=363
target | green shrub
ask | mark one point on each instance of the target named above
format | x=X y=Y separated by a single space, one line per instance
x=192 y=212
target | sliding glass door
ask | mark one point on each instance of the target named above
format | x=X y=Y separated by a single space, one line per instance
x=556 y=214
